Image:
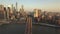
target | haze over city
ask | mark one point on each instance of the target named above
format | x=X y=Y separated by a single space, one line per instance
x=48 y=5
x=29 y=16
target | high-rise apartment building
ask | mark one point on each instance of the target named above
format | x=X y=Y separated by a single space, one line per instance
x=2 y=11
x=1 y=7
x=37 y=12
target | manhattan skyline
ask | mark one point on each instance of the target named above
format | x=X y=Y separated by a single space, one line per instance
x=48 y=5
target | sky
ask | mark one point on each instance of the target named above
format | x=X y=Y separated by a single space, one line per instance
x=47 y=5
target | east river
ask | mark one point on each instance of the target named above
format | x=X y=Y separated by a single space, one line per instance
x=20 y=29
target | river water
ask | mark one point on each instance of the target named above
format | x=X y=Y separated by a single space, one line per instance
x=20 y=29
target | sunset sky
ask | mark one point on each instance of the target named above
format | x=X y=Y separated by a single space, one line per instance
x=48 y=5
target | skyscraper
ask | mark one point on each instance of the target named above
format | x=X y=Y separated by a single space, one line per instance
x=5 y=13
x=37 y=12
x=2 y=11
x=12 y=7
x=22 y=8
x=1 y=7
x=16 y=7
x=37 y=15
